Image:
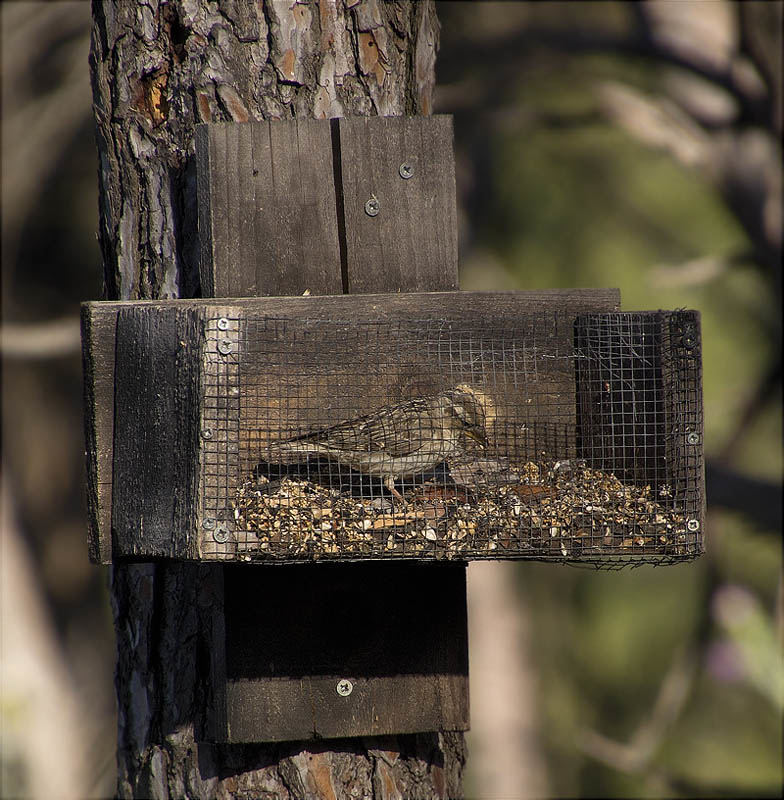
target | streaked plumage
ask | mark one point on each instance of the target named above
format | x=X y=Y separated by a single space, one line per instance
x=409 y=437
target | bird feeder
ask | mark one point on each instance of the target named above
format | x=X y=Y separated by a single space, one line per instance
x=443 y=426
x=314 y=454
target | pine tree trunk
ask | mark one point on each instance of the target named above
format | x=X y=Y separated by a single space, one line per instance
x=158 y=69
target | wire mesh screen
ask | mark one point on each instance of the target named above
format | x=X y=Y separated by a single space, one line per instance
x=545 y=437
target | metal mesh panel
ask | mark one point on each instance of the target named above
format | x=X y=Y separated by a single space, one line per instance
x=548 y=438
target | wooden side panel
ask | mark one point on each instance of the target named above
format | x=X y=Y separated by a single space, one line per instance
x=267 y=209
x=98 y=340
x=396 y=632
x=156 y=433
x=411 y=243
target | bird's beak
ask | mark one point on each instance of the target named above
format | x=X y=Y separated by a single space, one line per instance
x=478 y=437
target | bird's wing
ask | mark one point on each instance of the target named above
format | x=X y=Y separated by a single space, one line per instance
x=396 y=430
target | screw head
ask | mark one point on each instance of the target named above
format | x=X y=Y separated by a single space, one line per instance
x=220 y=534
x=225 y=346
x=223 y=324
x=206 y=433
x=693 y=525
x=208 y=523
x=689 y=337
x=372 y=207
x=345 y=687
x=692 y=438
x=406 y=171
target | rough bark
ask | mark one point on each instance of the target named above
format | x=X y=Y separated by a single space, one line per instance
x=158 y=69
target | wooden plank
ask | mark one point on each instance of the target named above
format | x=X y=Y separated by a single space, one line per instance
x=99 y=321
x=405 y=653
x=98 y=338
x=386 y=306
x=411 y=243
x=156 y=437
x=267 y=208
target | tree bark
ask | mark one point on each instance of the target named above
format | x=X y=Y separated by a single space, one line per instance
x=158 y=69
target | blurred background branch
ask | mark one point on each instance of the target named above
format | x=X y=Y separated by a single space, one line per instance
x=636 y=755
x=58 y=337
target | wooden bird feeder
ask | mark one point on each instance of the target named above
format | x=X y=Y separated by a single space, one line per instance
x=412 y=430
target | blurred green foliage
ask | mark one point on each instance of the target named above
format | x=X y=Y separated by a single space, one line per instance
x=574 y=201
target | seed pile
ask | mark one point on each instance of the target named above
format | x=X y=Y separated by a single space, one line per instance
x=562 y=511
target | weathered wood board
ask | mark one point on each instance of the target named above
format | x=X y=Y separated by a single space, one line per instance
x=375 y=155
x=267 y=207
x=99 y=326
x=283 y=205
x=358 y=616
x=167 y=355
x=158 y=394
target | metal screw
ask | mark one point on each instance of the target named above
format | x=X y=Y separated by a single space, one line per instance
x=345 y=687
x=220 y=534
x=692 y=438
x=406 y=171
x=206 y=433
x=372 y=207
x=693 y=525
x=225 y=346
x=223 y=324
x=208 y=523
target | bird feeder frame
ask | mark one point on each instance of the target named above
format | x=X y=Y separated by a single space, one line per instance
x=182 y=398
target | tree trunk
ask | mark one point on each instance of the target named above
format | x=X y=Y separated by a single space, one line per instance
x=158 y=69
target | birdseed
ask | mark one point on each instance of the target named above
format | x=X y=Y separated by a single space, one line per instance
x=539 y=511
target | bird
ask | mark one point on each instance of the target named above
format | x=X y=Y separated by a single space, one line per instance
x=408 y=437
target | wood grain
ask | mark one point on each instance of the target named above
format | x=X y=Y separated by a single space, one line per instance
x=281 y=199
x=156 y=433
x=98 y=338
x=411 y=244
x=384 y=306
x=396 y=631
x=267 y=212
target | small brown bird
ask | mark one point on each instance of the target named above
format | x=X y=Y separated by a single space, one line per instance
x=407 y=438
